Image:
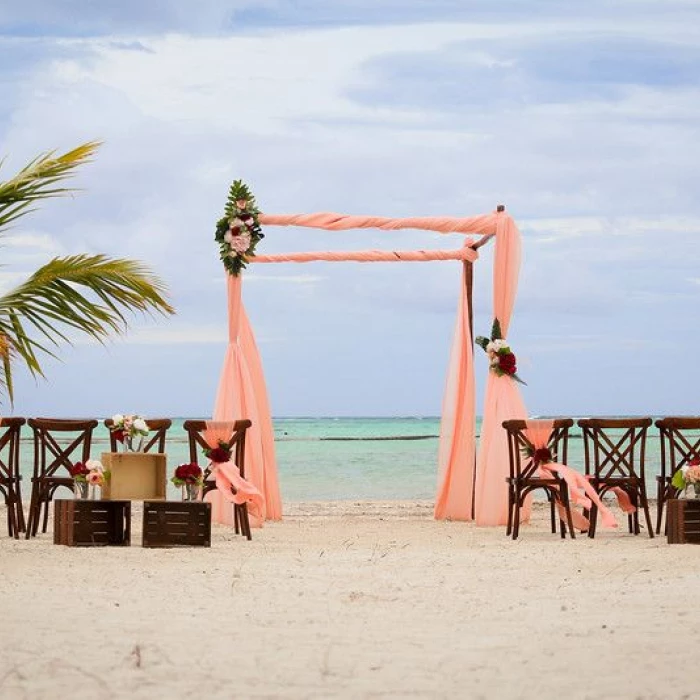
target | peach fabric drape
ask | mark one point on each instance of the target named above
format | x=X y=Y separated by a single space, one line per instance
x=503 y=400
x=242 y=394
x=457 y=446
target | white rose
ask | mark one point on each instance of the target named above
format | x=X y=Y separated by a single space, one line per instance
x=140 y=426
x=491 y=347
x=499 y=344
x=233 y=223
x=228 y=237
x=94 y=464
x=117 y=418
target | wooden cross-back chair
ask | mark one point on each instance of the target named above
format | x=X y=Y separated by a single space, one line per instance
x=154 y=441
x=58 y=445
x=236 y=443
x=614 y=454
x=526 y=477
x=10 y=478
x=680 y=444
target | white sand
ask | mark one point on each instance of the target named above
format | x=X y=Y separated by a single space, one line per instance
x=353 y=600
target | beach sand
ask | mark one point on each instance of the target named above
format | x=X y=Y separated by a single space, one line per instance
x=353 y=600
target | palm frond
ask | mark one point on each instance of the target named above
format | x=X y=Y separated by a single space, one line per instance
x=92 y=294
x=39 y=180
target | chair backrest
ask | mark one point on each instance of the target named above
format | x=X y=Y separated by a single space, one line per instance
x=10 y=429
x=680 y=442
x=614 y=448
x=157 y=429
x=521 y=450
x=59 y=443
x=236 y=443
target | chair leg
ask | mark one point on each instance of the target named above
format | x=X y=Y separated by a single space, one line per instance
x=32 y=515
x=552 y=517
x=564 y=490
x=516 y=518
x=645 y=506
x=593 y=518
x=46 y=504
x=509 y=525
x=20 y=507
x=242 y=516
x=660 y=498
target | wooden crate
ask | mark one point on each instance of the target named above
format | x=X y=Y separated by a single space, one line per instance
x=176 y=524
x=683 y=521
x=92 y=523
x=135 y=476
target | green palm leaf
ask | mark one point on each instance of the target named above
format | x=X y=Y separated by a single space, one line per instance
x=90 y=294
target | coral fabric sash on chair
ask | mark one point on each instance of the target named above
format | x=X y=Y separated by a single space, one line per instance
x=232 y=488
x=581 y=493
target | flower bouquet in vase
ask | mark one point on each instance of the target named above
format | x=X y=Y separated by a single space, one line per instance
x=129 y=430
x=687 y=479
x=87 y=478
x=190 y=479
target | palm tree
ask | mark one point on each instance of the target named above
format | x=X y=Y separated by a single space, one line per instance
x=35 y=316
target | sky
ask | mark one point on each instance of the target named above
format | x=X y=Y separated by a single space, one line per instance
x=582 y=118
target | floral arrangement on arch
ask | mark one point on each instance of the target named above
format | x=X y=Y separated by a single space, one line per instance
x=238 y=232
x=128 y=427
x=688 y=474
x=502 y=360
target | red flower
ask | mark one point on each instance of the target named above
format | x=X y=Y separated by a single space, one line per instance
x=694 y=462
x=189 y=473
x=220 y=455
x=507 y=363
x=78 y=469
x=119 y=435
x=542 y=455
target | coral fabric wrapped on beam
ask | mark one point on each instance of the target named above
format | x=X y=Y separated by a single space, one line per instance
x=465 y=253
x=483 y=224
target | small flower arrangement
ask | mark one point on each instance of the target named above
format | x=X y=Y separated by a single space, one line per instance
x=126 y=427
x=220 y=454
x=238 y=232
x=502 y=360
x=91 y=472
x=188 y=474
x=688 y=474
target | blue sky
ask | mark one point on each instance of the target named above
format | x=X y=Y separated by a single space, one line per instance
x=581 y=117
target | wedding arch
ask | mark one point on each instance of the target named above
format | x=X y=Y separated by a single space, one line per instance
x=470 y=485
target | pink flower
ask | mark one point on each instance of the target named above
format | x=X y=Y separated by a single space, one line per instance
x=95 y=478
x=240 y=243
x=241 y=203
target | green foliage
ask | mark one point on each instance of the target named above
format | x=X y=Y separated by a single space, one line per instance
x=482 y=342
x=678 y=482
x=496 y=330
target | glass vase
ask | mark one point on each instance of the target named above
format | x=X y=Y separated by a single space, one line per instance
x=80 y=490
x=190 y=492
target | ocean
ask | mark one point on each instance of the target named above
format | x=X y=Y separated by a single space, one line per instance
x=349 y=458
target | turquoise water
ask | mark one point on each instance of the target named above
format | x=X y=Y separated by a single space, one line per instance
x=350 y=458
